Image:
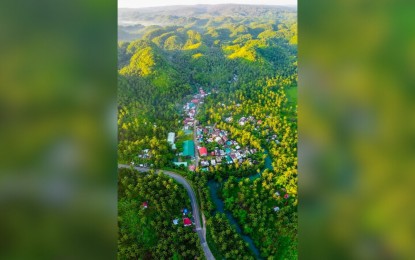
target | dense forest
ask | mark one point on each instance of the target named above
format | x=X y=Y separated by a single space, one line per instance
x=246 y=58
x=147 y=205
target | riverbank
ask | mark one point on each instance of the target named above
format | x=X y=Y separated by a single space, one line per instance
x=214 y=188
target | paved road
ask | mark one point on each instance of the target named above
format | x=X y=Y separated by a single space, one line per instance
x=195 y=139
x=197 y=159
x=195 y=208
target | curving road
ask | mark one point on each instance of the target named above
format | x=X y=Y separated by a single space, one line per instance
x=201 y=231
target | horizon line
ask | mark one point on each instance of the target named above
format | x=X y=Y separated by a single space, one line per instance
x=183 y=5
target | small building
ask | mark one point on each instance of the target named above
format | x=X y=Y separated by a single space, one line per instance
x=203 y=151
x=192 y=168
x=229 y=159
x=176 y=221
x=286 y=196
x=213 y=162
x=276 y=209
x=204 y=163
x=145 y=204
x=188 y=120
x=170 y=138
x=185 y=211
x=180 y=163
x=187 y=222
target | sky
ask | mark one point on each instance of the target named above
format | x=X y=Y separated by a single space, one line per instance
x=150 y=3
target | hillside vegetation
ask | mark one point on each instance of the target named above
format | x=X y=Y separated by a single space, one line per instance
x=246 y=58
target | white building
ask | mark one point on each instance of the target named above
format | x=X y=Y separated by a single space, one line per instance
x=170 y=139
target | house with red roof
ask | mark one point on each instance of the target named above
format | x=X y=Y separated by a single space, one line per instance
x=187 y=222
x=145 y=204
x=203 y=151
x=192 y=168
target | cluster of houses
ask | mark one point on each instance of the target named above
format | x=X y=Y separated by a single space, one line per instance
x=243 y=120
x=274 y=138
x=278 y=196
x=257 y=123
x=185 y=218
x=189 y=109
x=144 y=158
x=226 y=151
x=145 y=154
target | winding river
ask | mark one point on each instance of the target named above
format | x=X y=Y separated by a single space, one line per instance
x=214 y=187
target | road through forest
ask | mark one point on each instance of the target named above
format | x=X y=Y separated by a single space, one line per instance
x=201 y=231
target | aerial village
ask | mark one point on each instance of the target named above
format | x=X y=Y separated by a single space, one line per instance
x=225 y=150
x=207 y=146
x=213 y=145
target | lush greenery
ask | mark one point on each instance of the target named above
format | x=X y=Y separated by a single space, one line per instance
x=246 y=57
x=149 y=233
x=229 y=243
x=252 y=201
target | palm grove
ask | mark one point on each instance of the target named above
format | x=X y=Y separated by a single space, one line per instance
x=247 y=57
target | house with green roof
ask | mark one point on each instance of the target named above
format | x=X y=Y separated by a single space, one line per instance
x=188 y=148
x=180 y=163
